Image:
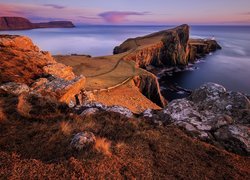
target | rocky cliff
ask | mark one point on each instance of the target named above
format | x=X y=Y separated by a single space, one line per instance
x=15 y=23
x=166 y=48
x=19 y=23
x=23 y=62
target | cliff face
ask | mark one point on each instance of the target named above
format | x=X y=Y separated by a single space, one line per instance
x=149 y=87
x=15 y=23
x=23 y=62
x=166 y=48
x=19 y=23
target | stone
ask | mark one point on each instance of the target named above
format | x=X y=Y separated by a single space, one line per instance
x=147 y=113
x=14 y=88
x=82 y=141
x=121 y=110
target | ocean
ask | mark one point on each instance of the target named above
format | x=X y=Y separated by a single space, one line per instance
x=229 y=67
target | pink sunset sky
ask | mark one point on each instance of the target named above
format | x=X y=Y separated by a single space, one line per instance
x=132 y=12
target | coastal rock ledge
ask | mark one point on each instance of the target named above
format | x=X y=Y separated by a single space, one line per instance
x=211 y=114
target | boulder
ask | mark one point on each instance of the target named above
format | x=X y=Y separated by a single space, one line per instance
x=60 y=89
x=235 y=138
x=83 y=140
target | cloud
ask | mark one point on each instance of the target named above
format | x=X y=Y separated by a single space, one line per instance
x=54 y=6
x=87 y=17
x=49 y=12
x=119 y=16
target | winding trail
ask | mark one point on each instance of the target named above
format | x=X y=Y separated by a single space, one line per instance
x=127 y=79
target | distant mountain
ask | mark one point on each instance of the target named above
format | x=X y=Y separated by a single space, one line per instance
x=20 y=23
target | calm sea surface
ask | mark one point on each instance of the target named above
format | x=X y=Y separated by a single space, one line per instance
x=229 y=66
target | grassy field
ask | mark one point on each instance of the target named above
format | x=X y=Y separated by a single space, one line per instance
x=101 y=72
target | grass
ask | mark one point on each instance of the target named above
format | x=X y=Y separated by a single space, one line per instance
x=101 y=72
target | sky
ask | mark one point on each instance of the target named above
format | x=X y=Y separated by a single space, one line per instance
x=132 y=12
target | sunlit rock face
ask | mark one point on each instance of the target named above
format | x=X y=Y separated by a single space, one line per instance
x=212 y=114
x=15 y=23
x=23 y=62
x=166 y=48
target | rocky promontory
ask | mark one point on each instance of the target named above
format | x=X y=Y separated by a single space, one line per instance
x=23 y=63
x=20 y=23
x=171 y=47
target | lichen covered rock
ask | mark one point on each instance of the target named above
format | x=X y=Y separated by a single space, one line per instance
x=83 y=140
x=212 y=114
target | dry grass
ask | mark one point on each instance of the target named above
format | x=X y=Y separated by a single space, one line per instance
x=66 y=128
x=130 y=148
x=103 y=145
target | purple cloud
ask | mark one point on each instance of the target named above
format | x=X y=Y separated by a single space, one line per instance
x=119 y=16
x=54 y=6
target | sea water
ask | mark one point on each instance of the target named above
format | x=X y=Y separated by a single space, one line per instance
x=229 y=66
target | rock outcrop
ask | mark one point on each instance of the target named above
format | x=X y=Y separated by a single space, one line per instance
x=166 y=48
x=20 y=23
x=23 y=63
x=212 y=114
